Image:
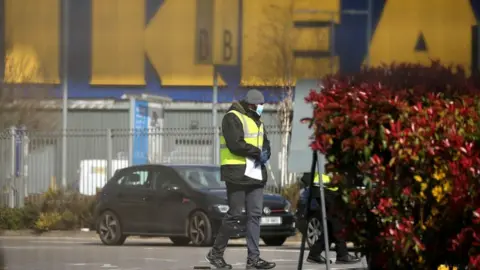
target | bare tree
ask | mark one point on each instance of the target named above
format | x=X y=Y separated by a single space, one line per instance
x=22 y=93
x=278 y=67
x=278 y=36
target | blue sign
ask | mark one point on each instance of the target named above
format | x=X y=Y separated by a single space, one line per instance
x=18 y=152
x=140 y=132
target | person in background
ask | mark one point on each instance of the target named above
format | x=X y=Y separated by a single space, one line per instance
x=243 y=145
x=333 y=205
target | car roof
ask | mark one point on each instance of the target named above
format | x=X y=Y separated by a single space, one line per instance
x=172 y=166
x=192 y=165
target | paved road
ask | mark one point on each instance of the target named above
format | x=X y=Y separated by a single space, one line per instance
x=61 y=253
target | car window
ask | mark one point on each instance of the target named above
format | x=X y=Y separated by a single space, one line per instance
x=202 y=177
x=138 y=178
x=164 y=176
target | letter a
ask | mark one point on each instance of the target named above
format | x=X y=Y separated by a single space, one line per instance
x=444 y=24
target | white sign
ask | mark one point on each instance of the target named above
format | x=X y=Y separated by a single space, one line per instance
x=271 y=221
x=93 y=174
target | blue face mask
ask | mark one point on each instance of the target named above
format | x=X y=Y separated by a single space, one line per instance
x=259 y=109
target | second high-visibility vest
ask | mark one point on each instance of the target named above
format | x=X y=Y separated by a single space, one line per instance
x=252 y=134
x=326 y=181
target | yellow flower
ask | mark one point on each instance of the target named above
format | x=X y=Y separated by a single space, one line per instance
x=420 y=259
x=447 y=187
x=423 y=186
x=439 y=175
x=418 y=178
x=435 y=211
x=444 y=267
x=437 y=193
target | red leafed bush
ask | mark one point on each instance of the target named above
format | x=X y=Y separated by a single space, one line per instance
x=414 y=79
x=417 y=153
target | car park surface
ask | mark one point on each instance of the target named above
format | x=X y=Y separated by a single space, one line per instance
x=86 y=253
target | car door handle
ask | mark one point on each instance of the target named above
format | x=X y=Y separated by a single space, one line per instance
x=146 y=198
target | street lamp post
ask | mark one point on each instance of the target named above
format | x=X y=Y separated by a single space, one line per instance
x=65 y=91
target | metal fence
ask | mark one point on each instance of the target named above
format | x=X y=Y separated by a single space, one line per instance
x=31 y=161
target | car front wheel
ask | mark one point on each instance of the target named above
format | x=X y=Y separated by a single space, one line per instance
x=200 y=229
x=274 y=241
x=110 y=229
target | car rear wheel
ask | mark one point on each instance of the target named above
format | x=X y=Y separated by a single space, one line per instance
x=110 y=229
x=274 y=241
x=200 y=229
x=314 y=231
x=180 y=240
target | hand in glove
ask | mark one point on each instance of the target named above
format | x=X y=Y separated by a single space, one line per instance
x=264 y=156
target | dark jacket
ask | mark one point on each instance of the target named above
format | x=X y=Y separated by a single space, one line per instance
x=232 y=130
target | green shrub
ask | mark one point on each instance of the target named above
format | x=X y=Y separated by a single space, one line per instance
x=48 y=221
x=18 y=218
x=11 y=218
x=31 y=212
x=75 y=209
x=53 y=210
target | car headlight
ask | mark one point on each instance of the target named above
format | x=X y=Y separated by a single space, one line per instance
x=288 y=206
x=222 y=208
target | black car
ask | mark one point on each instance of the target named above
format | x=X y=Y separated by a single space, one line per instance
x=183 y=202
x=313 y=226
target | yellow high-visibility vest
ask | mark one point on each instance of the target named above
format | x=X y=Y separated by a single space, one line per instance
x=326 y=180
x=252 y=134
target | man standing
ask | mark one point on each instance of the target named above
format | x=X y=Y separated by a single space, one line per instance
x=244 y=150
x=333 y=205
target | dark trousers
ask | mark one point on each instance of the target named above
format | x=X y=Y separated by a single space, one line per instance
x=333 y=205
x=240 y=196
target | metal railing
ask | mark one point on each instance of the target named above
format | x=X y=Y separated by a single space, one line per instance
x=31 y=161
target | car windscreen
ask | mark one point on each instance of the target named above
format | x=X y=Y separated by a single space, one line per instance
x=202 y=177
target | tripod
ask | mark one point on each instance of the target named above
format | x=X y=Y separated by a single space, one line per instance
x=318 y=165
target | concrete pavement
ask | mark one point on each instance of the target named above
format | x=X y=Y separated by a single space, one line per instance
x=293 y=240
x=87 y=253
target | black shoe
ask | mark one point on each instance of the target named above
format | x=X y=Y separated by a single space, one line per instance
x=217 y=262
x=260 y=264
x=316 y=259
x=348 y=259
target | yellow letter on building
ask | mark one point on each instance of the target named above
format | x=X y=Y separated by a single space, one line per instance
x=118 y=53
x=444 y=24
x=32 y=41
x=269 y=40
x=170 y=45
